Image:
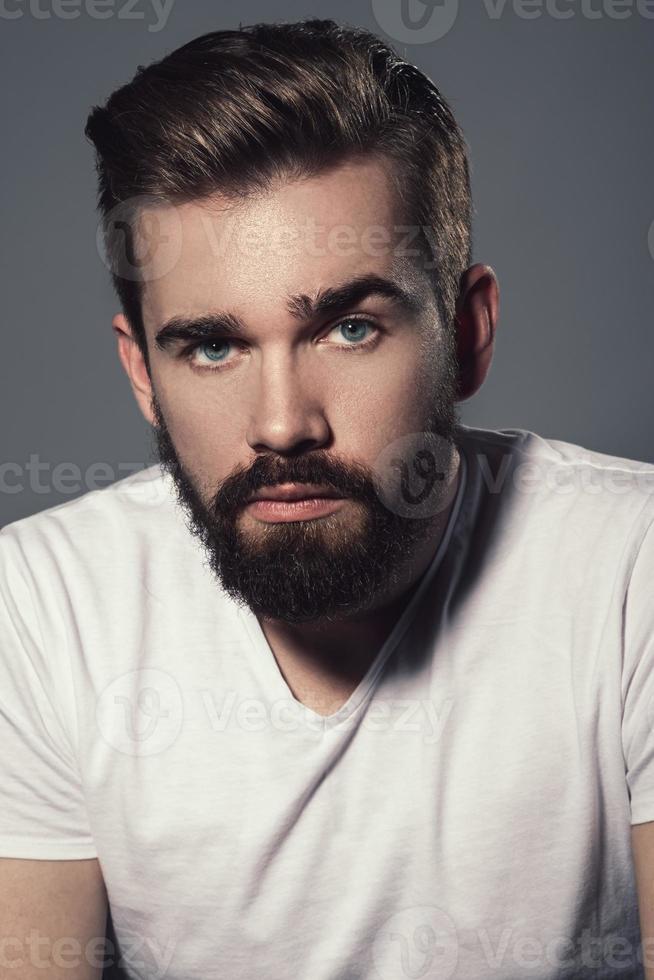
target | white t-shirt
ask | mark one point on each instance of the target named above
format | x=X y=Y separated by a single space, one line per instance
x=465 y=814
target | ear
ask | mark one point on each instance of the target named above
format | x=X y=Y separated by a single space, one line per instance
x=134 y=364
x=477 y=310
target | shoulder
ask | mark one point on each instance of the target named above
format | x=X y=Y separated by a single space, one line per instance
x=554 y=480
x=101 y=529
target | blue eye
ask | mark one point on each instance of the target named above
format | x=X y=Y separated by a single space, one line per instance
x=214 y=351
x=213 y=355
x=359 y=329
x=354 y=329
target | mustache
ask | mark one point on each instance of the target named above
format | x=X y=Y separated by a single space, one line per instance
x=319 y=467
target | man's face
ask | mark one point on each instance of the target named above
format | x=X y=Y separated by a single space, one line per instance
x=281 y=394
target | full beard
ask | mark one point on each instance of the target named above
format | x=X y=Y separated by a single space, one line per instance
x=306 y=571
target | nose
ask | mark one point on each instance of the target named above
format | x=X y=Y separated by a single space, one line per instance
x=286 y=415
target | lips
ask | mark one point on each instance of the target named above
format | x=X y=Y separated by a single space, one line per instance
x=293 y=491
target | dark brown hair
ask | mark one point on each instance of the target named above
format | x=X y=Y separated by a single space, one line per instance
x=234 y=112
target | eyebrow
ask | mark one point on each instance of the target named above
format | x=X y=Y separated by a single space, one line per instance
x=329 y=301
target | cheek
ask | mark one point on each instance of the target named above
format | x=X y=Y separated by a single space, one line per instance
x=385 y=402
x=206 y=436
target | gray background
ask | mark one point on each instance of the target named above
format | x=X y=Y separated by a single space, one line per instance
x=557 y=113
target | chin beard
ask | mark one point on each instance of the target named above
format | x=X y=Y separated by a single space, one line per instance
x=307 y=571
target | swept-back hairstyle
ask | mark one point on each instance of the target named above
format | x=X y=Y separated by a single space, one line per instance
x=236 y=111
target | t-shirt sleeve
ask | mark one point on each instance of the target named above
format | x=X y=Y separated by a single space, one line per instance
x=42 y=807
x=638 y=682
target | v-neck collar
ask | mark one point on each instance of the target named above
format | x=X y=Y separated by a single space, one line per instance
x=267 y=662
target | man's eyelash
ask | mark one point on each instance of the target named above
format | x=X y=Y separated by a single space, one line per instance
x=189 y=349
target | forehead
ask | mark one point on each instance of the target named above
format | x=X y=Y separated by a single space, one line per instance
x=247 y=256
